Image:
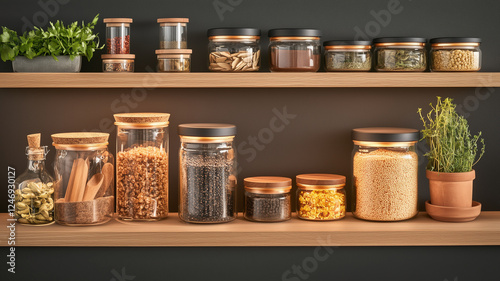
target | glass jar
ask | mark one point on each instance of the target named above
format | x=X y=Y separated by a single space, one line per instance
x=118 y=35
x=84 y=169
x=321 y=197
x=34 y=189
x=174 y=60
x=207 y=166
x=234 y=49
x=400 y=54
x=173 y=33
x=118 y=63
x=142 y=166
x=294 y=50
x=385 y=173
x=455 y=54
x=342 y=55
x=267 y=199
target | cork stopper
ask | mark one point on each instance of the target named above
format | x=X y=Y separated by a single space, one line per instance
x=80 y=138
x=142 y=117
x=34 y=151
x=34 y=140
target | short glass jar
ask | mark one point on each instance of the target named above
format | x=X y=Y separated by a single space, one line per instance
x=207 y=165
x=84 y=170
x=294 y=50
x=118 y=35
x=234 y=49
x=267 y=199
x=118 y=63
x=385 y=174
x=173 y=33
x=343 y=55
x=321 y=197
x=142 y=166
x=400 y=54
x=174 y=60
x=455 y=54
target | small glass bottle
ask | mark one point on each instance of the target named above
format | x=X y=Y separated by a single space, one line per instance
x=400 y=54
x=321 y=197
x=173 y=33
x=343 y=55
x=118 y=35
x=267 y=199
x=455 y=54
x=34 y=189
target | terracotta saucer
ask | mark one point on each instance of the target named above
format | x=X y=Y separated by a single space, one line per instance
x=453 y=214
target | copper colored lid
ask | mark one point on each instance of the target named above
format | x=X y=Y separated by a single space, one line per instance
x=173 y=51
x=320 y=179
x=117 y=20
x=118 y=56
x=80 y=138
x=142 y=117
x=162 y=20
x=268 y=182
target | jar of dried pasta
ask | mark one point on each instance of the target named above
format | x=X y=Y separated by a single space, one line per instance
x=385 y=173
x=455 y=54
x=321 y=197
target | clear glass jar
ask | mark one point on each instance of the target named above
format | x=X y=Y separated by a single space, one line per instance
x=207 y=165
x=174 y=60
x=321 y=197
x=455 y=54
x=173 y=33
x=294 y=50
x=118 y=35
x=34 y=189
x=385 y=174
x=118 y=63
x=142 y=166
x=400 y=54
x=84 y=170
x=267 y=199
x=234 y=49
x=342 y=55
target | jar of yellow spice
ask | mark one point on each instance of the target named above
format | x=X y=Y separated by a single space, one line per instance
x=321 y=197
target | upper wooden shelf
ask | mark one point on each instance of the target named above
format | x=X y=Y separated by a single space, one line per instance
x=247 y=80
x=420 y=231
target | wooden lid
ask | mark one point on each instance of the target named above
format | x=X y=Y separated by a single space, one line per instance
x=163 y=20
x=173 y=51
x=34 y=140
x=117 y=20
x=80 y=138
x=118 y=56
x=146 y=117
x=320 y=179
x=267 y=182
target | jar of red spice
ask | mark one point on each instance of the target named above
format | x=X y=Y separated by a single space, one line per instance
x=118 y=35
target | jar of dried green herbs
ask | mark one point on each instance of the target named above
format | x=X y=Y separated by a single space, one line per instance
x=455 y=54
x=343 y=55
x=400 y=54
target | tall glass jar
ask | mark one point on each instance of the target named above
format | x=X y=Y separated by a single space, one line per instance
x=455 y=54
x=294 y=50
x=321 y=197
x=267 y=199
x=234 y=49
x=173 y=33
x=34 y=189
x=207 y=167
x=84 y=169
x=142 y=166
x=342 y=55
x=400 y=54
x=118 y=35
x=385 y=173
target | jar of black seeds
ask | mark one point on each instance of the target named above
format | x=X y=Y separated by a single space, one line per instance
x=267 y=199
x=207 y=183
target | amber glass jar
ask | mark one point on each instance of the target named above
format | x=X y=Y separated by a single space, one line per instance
x=267 y=199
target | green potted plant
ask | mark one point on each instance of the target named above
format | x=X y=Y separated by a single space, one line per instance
x=59 y=48
x=452 y=154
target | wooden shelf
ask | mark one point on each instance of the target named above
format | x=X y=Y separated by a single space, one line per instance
x=247 y=80
x=420 y=231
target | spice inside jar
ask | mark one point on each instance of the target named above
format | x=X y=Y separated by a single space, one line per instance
x=400 y=54
x=342 y=55
x=174 y=60
x=118 y=35
x=173 y=33
x=321 y=197
x=455 y=54
x=267 y=199
x=118 y=63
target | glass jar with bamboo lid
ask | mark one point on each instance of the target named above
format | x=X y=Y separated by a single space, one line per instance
x=173 y=33
x=118 y=35
x=267 y=199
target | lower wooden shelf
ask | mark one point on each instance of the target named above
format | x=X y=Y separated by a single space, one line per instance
x=420 y=231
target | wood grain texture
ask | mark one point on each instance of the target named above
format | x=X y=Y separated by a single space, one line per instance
x=420 y=231
x=248 y=80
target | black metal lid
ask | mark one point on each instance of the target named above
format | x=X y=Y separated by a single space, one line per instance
x=385 y=134
x=455 y=40
x=294 y=32
x=233 y=31
x=346 y=43
x=207 y=130
x=399 y=40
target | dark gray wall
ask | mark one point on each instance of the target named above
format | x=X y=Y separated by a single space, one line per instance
x=316 y=140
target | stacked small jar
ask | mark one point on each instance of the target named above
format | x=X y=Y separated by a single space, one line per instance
x=118 y=57
x=173 y=55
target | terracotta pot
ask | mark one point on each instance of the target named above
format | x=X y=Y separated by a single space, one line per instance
x=451 y=189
